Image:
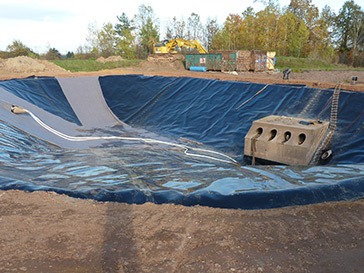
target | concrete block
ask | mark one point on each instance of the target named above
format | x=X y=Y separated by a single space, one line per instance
x=287 y=140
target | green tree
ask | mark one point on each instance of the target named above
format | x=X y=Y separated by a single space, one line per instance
x=125 y=40
x=308 y=13
x=70 y=55
x=292 y=35
x=248 y=13
x=266 y=23
x=107 y=40
x=248 y=29
x=300 y=39
x=147 y=30
x=220 y=40
x=212 y=29
x=321 y=33
x=52 y=54
x=286 y=26
x=149 y=35
x=349 y=31
x=304 y=10
x=232 y=28
x=123 y=24
x=17 y=48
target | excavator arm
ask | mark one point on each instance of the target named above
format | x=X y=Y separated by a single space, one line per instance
x=172 y=45
x=192 y=44
x=170 y=51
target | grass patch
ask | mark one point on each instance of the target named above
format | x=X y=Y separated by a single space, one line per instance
x=306 y=64
x=296 y=64
x=93 y=65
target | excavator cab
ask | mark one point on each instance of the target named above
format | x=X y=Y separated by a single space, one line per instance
x=160 y=48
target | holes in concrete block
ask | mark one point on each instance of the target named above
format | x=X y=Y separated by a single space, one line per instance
x=259 y=132
x=287 y=136
x=301 y=138
x=273 y=134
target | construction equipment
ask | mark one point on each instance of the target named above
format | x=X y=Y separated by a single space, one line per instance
x=176 y=45
x=171 y=50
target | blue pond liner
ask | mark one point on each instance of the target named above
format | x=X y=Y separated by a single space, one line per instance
x=199 y=113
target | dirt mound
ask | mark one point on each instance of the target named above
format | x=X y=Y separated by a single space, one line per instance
x=110 y=59
x=23 y=64
x=165 y=57
x=163 y=65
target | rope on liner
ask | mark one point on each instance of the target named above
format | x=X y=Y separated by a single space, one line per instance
x=19 y=110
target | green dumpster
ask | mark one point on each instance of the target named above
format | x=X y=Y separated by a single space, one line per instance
x=211 y=61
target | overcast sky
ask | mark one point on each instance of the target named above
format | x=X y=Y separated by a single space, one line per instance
x=63 y=24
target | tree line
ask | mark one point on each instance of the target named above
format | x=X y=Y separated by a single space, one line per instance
x=298 y=30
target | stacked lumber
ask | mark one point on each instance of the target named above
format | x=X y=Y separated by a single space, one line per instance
x=244 y=61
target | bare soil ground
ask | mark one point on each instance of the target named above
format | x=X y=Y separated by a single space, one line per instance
x=47 y=232
x=22 y=67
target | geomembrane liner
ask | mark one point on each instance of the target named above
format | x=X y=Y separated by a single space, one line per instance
x=196 y=126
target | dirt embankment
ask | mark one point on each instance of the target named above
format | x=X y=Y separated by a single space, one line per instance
x=46 y=232
x=21 y=67
x=24 y=64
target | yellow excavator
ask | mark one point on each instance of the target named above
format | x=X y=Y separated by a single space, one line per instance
x=176 y=45
x=171 y=50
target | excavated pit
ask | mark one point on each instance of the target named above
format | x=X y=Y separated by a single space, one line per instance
x=139 y=139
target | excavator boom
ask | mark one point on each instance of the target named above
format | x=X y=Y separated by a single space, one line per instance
x=173 y=45
x=170 y=50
